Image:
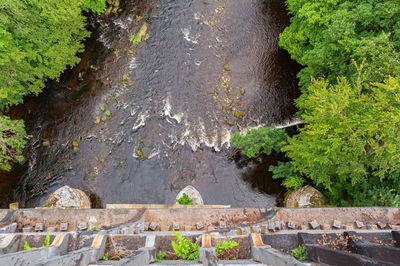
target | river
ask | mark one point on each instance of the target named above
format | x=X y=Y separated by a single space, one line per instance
x=173 y=101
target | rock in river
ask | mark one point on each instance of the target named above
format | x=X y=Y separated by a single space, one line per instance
x=192 y=193
x=67 y=197
x=306 y=196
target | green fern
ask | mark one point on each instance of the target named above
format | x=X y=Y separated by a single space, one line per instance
x=185 y=200
x=220 y=247
x=184 y=248
x=26 y=246
x=299 y=253
x=47 y=240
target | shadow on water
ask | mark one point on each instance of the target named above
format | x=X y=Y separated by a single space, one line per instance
x=172 y=106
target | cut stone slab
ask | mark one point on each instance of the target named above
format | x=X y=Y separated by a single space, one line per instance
x=39 y=227
x=153 y=226
x=291 y=225
x=359 y=224
x=381 y=225
x=199 y=225
x=63 y=226
x=306 y=196
x=336 y=224
x=314 y=224
x=192 y=193
x=67 y=197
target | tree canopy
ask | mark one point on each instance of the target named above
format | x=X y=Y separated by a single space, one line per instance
x=39 y=39
x=324 y=36
x=349 y=146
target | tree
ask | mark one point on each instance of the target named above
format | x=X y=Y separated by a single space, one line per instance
x=349 y=146
x=325 y=36
x=12 y=141
x=39 y=39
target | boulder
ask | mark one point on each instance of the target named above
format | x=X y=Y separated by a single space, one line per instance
x=192 y=193
x=67 y=197
x=306 y=196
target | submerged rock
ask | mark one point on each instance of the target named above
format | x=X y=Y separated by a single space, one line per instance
x=306 y=196
x=67 y=197
x=193 y=195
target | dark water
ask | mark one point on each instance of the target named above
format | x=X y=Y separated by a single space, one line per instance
x=172 y=120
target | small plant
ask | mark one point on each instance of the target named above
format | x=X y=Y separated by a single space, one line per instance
x=226 y=67
x=220 y=247
x=105 y=257
x=185 y=200
x=102 y=108
x=97 y=121
x=104 y=118
x=184 y=248
x=108 y=113
x=160 y=256
x=238 y=114
x=299 y=253
x=116 y=96
x=26 y=246
x=47 y=240
x=94 y=228
x=121 y=165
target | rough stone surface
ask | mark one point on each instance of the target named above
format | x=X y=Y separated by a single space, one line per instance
x=314 y=224
x=264 y=228
x=325 y=226
x=306 y=196
x=336 y=224
x=278 y=225
x=52 y=229
x=222 y=224
x=192 y=193
x=256 y=229
x=244 y=230
x=27 y=229
x=67 y=197
x=146 y=226
x=271 y=227
x=371 y=227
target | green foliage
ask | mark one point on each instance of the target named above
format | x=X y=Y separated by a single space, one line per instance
x=299 y=253
x=220 y=247
x=185 y=200
x=97 y=6
x=47 y=240
x=160 y=255
x=38 y=41
x=26 y=246
x=350 y=139
x=106 y=257
x=12 y=142
x=184 y=248
x=137 y=38
x=267 y=139
x=325 y=36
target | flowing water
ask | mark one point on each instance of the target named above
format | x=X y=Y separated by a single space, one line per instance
x=205 y=72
